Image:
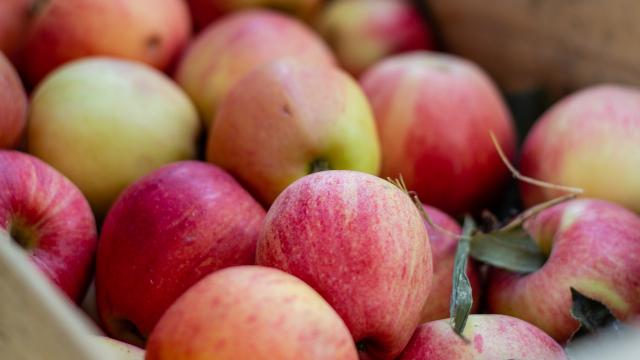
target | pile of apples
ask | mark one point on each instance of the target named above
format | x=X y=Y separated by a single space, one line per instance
x=221 y=167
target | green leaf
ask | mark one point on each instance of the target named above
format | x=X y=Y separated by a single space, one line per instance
x=461 y=292
x=512 y=250
x=592 y=314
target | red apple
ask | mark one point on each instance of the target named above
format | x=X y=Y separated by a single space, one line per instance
x=150 y=31
x=14 y=21
x=589 y=140
x=13 y=106
x=434 y=114
x=362 y=32
x=592 y=246
x=491 y=337
x=229 y=49
x=164 y=233
x=49 y=218
x=251 y=312
x=360 y=242
x=444 y=242
x=288 y=119
x=205 y=12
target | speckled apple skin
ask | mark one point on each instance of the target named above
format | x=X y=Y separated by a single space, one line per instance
x=13 y=106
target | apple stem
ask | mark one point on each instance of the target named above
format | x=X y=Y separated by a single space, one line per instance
x=535 y=210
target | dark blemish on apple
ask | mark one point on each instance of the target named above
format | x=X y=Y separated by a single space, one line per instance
x=286 y=110
x=37 y=7
x=153 y=42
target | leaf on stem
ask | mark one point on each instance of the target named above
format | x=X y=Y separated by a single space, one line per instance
x=461 y=292
x=512 y=250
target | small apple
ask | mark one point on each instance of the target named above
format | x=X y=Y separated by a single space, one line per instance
x=288 y=119
x=163 y=234
x=589 y=140
x=490 y=336
x=105 y=122
x=149 y=31
x=205 y=12
x=361 y=243
x=13 y=106
x=592 y=246
x=116 y=350
x=443 y=242
x=251 y=312
x=434 y=113
x=49 y=218
x=362 y=32
x=229 y=49
x=15 y=16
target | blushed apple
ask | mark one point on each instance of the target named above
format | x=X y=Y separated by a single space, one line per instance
x=229 y=49
x=163 y=234
x=434 y=113
x=251 y=312
x=149 y=31
x=361 y=243
x=443 y=242
x=589 y=140
x=362 y=32
x=13 y=106
x=205 y=12
x=288 y=119
x=592 y=246
x=116 y=350
x=490 y=337
x=105 y=122
x=15 y=16
x=49 y=218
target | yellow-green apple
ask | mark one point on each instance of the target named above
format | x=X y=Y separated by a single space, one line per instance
x=13 y=106
x=251 y=312
x=360 y=242
x=288 y=119
x=48 y=217
x=229 y=49
x=444 y=241
x=490 y=337
x=105 y=122
x=589 y=140
x=149 y=31
x=205 y=12
x=116 y=350
x=164 y=233
x=434 y=113
x=592 y=246
x=15 y=16
x=362 y=32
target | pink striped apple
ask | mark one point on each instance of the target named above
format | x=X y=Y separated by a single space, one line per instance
x=13 y=106
x=15 y=16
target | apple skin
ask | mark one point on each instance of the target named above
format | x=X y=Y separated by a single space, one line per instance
x=204 y=12
x=116 y=350
x=594 y=247
x=164 y=233
x=361 y=243
x=229 y=49
x=362 y=32
x=434 y=113
x=251 y=312
x=13 y=106
x=490 y=337
x=286 y=116
x=105 y=122
x=149 y=31
x=443 y=253
x=14 y=23
x=590 y=140
x=47 y=215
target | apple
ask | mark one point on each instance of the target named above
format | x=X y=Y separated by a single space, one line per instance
x=590 y=140
x=434 y=113
x=443 y=243
x=205 y=12
x=48 y=217
x=362 y=32
x=149 y=31
x=14 y=22
x=592 y=246
x=116 y=350
x=13 y=106
x=288 y=119
x=361 y=243
x=164 y=233
x=251 y=312
x=105 y=122
x=490 y=337
x=229 y=49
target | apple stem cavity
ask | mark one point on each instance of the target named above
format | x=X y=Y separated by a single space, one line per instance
x=461 y=291
x=128 y=332
x=23 y=235
x=592 y=315
x=318 y=165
